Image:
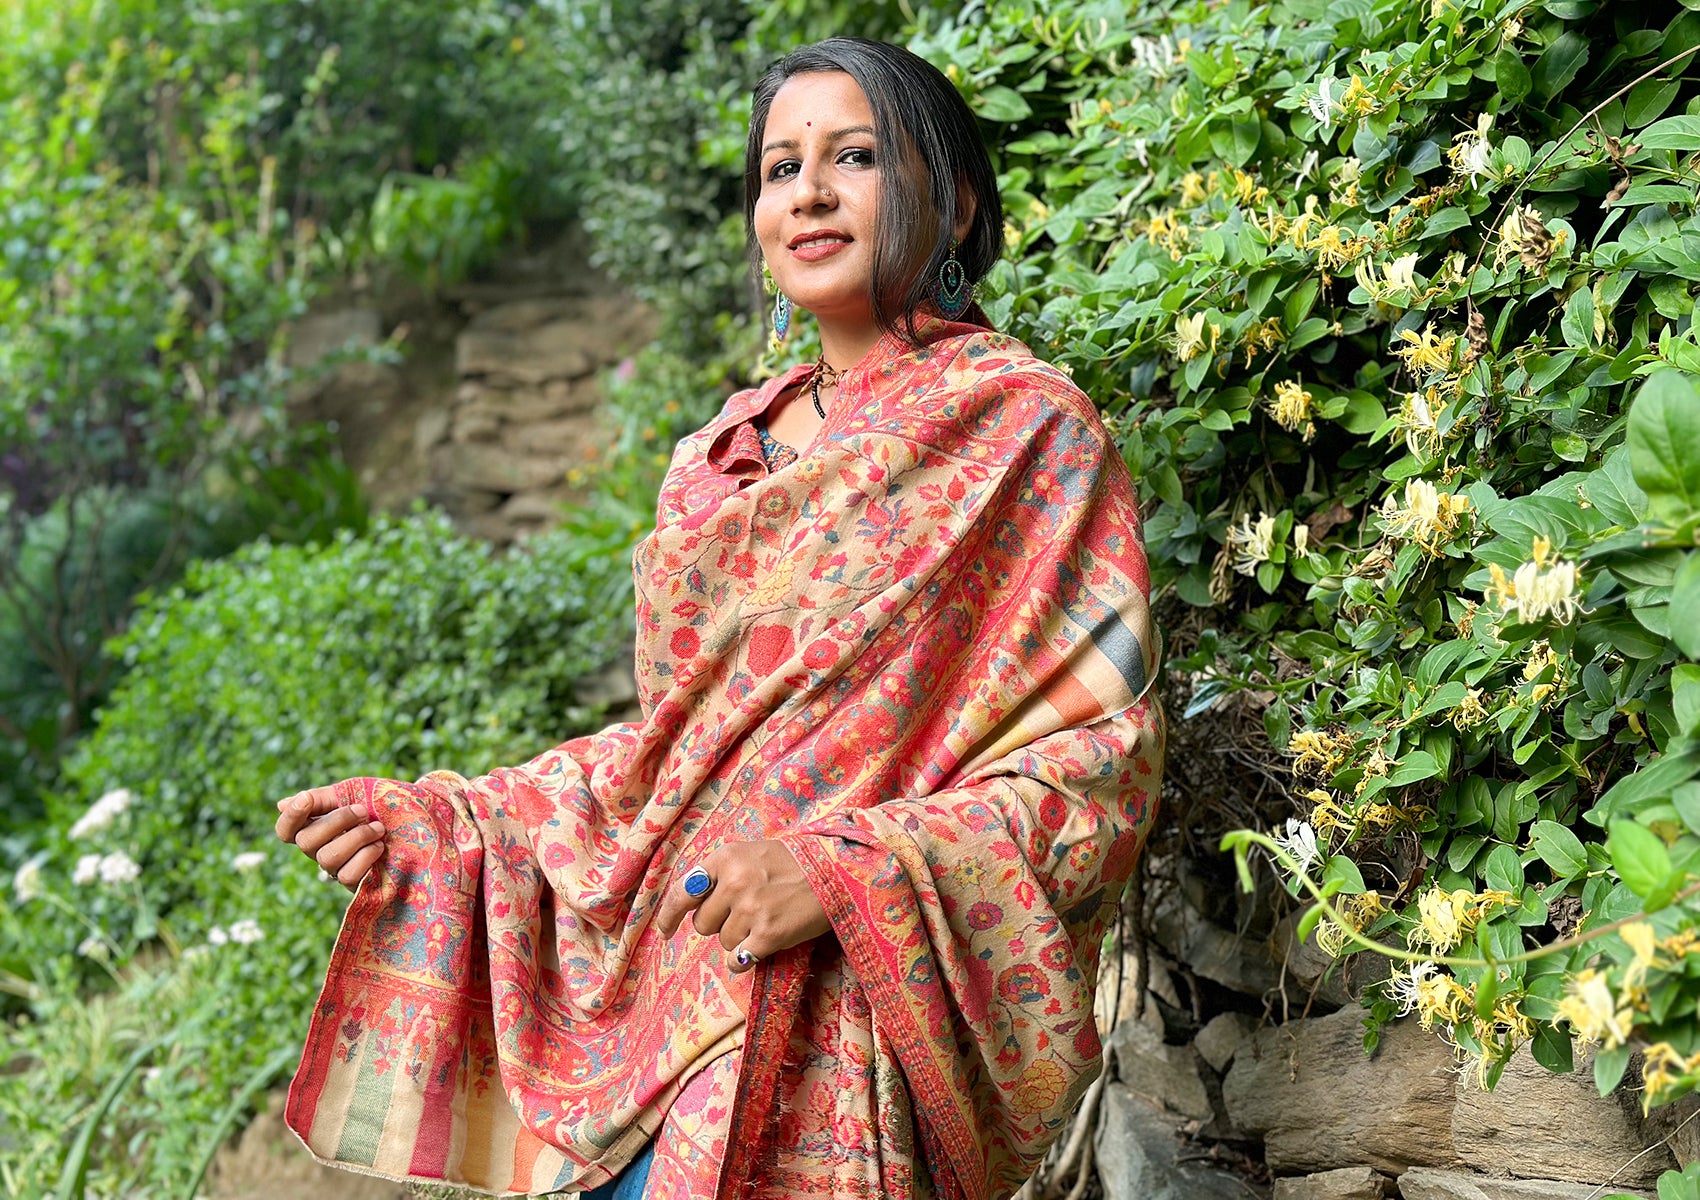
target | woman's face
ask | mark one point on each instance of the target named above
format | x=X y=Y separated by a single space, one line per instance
x=816 y=215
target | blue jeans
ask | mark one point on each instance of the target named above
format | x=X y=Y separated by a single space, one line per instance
x=628 y=1184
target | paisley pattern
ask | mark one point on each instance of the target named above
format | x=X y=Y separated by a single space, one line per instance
x=919 y=656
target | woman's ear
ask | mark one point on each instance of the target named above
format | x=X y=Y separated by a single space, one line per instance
x=966 y=206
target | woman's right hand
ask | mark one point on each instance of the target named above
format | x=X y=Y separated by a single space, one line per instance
x=336 y=836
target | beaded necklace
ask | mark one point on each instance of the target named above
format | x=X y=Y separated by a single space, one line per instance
x=823 y=370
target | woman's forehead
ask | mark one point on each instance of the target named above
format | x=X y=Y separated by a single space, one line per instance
x=818 y=100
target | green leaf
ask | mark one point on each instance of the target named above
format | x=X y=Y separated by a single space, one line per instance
x=1664 y=445
x=1685 y=606
x=1685 y=696
x=1639 y=857
x=1672 y=133
x=1511 y=75
x=1686 y=801
x=1503 y=871
x=1413 y=768
x=1612 y=489
x=1559 y=848
x=1649 y=98
x=1578 y=323
x=1608 y=1068
x=1342 y=875
x=1551 y=1048
x=1308 y=922
x=1559 y=64
x=1002 y=104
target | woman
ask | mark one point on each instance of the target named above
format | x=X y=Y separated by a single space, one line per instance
x=895 y=763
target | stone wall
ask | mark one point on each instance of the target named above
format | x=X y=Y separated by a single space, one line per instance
x=1239 y=1069
x=493 y=396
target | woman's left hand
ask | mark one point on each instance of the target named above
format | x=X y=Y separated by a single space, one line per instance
x=757 y=901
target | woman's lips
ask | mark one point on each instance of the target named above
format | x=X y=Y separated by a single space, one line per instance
x=815 y=251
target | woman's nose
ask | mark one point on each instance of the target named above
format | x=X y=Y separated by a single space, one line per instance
x=809 y=190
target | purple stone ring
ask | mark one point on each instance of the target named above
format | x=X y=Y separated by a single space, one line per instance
x=744 y=957
x=698 y=882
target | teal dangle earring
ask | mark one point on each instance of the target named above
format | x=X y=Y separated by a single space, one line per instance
x=952 y=293
x=781 y=307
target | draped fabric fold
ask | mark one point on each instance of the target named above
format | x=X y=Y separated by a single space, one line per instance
x=920 y=656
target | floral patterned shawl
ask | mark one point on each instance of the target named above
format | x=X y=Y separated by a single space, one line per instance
x=920 y=656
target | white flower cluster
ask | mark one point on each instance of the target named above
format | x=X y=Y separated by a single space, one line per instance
x=102 y=813
x=1299 y=843
x=248 y=860
x=116 y=867
x=245 y=932
x=26 y=883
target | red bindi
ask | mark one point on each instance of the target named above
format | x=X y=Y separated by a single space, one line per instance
x=808 y=124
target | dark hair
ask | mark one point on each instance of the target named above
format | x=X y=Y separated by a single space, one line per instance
x=916 y=111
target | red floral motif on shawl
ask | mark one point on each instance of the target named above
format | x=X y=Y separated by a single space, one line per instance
x=918 y=655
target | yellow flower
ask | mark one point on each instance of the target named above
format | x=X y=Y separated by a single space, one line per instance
x=1261 y=335
x=1664 y=1071
x=1430 y=993
x=1644 y=942
x=1334 y=249
x=1318 y=752
x=1358 y=100
x=1428 y=517
x=1246 y=189
x=1442 y=919
x=1524 y=233
x=1252 y=543
x=1593 y=1013
x=1189 y=336
x=1292 y=408
x=1428 y=352
x=1192 y=189
x=1469 y=711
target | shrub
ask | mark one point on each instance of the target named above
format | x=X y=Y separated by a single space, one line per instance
x=1390 y=307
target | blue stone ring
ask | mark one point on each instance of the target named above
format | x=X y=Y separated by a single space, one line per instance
x=698 y=882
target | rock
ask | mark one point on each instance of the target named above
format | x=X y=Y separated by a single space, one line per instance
x=1331 y=982
x=1421 y=1183
x=1345 y=1183
x=489 y=468
x=614 y=686
x=317 y=336
x=1222 y=1036
x=530 y=511
x=1321 y=1103
x=570 y=436
x=430 y=429
x=1137 y=1156
x=1673 y=1122
x=1210 y=951
x=1162 y=1074
x=476 y=424
x=1536 y=1123
x=558 y=350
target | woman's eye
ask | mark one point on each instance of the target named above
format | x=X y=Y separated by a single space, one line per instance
x=781 y=170
x=857 y=158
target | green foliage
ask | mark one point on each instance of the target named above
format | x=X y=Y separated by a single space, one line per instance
x=1390 y=305
x=275 y=669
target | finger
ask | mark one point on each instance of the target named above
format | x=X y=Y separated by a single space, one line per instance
x=337 y=853
x=733 y=932
x=751 y=949
x=325 y=830
x=676 y=901
x=297 y=811
x=711 y=915
x=354 y=870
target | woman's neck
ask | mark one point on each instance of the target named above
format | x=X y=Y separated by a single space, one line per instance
x=844 y=344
